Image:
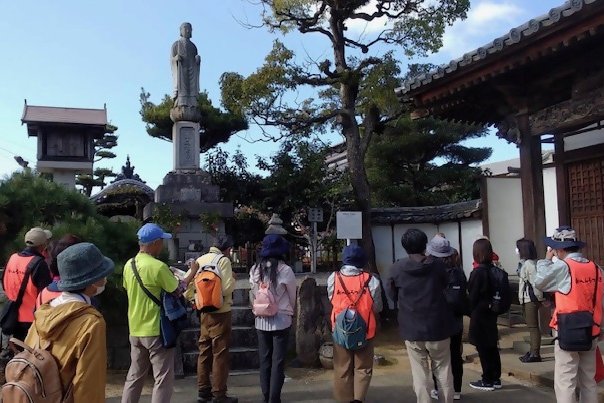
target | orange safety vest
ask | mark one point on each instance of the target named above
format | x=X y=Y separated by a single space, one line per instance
x=46 y=296
x=581 y=295
x=13 y=277
x=341 y=301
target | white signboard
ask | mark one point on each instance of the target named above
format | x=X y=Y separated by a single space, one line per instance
x=349 y=224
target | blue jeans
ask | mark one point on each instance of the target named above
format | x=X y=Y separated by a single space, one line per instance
x=272 y=347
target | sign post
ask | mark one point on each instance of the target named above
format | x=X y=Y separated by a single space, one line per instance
x=315 y=215
x=349 y=225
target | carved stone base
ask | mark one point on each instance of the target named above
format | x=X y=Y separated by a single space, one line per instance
x=185 y=137
x=185 y=113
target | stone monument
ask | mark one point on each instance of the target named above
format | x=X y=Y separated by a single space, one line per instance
x=188 y=190
x=185 y=113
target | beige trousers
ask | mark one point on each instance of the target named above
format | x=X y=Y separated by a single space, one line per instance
x=426 y=358
x=352 y=371
x=575 y=370
x=148 y=352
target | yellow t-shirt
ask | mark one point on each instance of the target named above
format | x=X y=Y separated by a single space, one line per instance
x=143 y=313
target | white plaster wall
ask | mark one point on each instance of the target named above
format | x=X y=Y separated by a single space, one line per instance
x=470 y=230
x=451 y=231
x=584 y=140
x=399 y=230
x=505 y=215
x=550 y=194
x=64 y=178
x=382 y=240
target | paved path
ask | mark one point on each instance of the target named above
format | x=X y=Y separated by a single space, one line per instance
x=387 y=386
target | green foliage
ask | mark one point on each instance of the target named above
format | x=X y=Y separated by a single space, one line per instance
x=248 y=225
x=166 y=218
x=298 y=178
x=102 y=147
x=27 y=200
x=421 y=162
x=231 y=173
x=215 y=126
x=210 y=221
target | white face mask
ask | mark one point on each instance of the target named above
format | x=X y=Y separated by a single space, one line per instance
x=99 y=289
x=517 y=252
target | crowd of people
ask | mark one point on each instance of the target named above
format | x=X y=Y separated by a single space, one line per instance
x=51 y=297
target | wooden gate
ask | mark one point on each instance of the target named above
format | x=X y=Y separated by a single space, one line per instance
x=586 y=200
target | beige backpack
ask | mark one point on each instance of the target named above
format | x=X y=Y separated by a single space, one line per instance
x=33 y=376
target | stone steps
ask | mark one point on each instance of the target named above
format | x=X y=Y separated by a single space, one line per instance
x=244 y=339
x=521 y=347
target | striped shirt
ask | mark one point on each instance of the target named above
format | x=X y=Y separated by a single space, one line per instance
x=285 y=296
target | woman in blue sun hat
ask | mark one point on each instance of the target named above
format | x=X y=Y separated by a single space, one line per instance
x=273 y=298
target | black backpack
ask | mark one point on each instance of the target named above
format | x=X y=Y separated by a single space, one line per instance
x=456 y=292
x=501 y=299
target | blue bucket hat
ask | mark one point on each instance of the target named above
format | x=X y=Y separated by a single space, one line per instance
x=80 y=265
x=274 y=246
x=152 y=232
x=564 y=237
x=354 y=255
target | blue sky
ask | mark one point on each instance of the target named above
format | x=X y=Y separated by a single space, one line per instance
x=87 y=54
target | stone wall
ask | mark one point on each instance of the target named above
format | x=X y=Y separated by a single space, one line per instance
x=311 y=324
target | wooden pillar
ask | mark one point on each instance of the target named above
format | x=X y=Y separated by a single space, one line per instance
x=561 y=181
x=531 y=176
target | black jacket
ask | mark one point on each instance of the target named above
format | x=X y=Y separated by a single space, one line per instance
x=423 y=311
x=483 y=322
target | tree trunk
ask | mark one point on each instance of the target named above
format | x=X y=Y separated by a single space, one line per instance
x=362 y=192
x=349 y=88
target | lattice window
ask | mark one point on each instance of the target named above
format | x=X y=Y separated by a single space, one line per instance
x=586 y=196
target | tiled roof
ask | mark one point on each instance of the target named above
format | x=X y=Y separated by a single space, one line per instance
x=428 y=214
x=511 y=39
x=52 y=114
x=123 y=187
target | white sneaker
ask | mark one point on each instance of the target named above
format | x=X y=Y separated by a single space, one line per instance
x=456 y=396
x=434 y=394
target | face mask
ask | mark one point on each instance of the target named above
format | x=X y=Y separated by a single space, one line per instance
x=99 y=289
x=517 y=252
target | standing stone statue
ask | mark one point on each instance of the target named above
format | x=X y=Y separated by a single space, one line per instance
x=185 y=76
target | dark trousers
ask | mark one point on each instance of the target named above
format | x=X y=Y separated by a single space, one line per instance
x=456 y=363
x=490 y=362
x=21 y=330
x=272 y=347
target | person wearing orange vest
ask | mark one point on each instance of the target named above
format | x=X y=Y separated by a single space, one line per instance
x=31 y=262
x=577 y=284
x=352 y=369
x=52 y=291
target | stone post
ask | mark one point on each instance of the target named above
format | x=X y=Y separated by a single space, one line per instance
x=185 y=136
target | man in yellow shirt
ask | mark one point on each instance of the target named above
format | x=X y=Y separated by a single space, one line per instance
x=215 y=337
x=146 y=347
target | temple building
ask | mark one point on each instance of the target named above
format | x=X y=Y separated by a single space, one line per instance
x=65 y=139
x=543 y=82
x=126 y=196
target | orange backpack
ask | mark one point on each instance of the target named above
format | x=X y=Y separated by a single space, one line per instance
x=33 y=376
x=208 y=286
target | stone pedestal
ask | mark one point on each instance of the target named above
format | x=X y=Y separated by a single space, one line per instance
x=190 y=193
x=185 y=137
